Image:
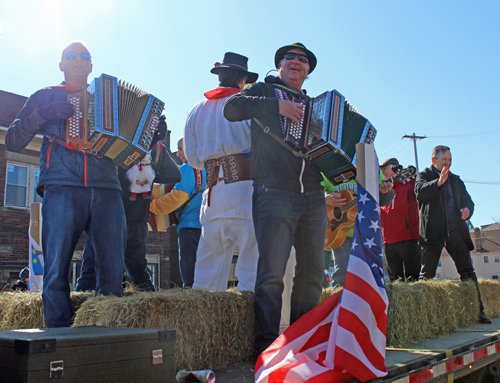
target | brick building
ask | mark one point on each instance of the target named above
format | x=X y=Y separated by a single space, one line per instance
x=18 y=179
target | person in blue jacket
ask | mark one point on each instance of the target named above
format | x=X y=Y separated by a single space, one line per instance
x=185 y=198
x=80 y=192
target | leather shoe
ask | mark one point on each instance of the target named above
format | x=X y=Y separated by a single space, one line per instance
x=483 y=318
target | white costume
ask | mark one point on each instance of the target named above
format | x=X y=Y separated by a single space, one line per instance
x=228 y=219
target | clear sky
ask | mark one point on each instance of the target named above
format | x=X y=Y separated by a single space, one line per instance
x=426 y=67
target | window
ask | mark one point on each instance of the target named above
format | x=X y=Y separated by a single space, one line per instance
x=20 y=185
x=494 y=277
x=497 y=258
x=486 y=259
x=152 y=268
x=439 y=264
x=16 y=185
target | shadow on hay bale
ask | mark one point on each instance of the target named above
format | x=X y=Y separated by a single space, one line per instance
x=214 y=329
x=22 y=310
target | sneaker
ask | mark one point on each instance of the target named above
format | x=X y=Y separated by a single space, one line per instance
x=483 y=318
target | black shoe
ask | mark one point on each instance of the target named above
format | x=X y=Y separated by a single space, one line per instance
x=483 y=318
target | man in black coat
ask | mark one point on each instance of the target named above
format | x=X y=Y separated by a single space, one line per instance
x=445 y=205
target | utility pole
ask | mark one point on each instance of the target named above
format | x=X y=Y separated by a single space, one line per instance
x=415 y=138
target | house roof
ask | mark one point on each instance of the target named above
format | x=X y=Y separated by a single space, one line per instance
x=10 y=105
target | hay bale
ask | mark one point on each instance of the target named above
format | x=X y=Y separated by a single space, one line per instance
x=214 y=329
x=427 y=309
x=490 y=293
x=22 y=310
x=328 y=292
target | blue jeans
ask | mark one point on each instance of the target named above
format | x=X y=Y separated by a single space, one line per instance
x=189 y=237
x=87 y=281
x=135 y=260
x=282 y=219
x=68 y=211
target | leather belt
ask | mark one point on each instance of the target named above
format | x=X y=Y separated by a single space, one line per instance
x=234 y=168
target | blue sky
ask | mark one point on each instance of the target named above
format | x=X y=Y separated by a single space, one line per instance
x=424 y=67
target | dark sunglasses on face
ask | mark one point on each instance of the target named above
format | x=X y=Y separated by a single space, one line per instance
x=292 y=55
x=83 y=55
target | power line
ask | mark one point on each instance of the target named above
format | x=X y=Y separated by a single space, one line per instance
x=482 y=182
x=468 y=134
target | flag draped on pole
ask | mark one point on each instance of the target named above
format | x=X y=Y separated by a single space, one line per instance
x=344 y=336
x=35 y=265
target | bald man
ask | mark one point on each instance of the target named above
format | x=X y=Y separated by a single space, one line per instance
x=80 y=192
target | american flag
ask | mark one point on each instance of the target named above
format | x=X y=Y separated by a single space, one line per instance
x=344 y=337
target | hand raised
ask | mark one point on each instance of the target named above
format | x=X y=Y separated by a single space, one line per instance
x=445 y=172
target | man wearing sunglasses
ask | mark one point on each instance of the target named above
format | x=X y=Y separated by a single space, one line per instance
x=80 y=192
x=288 y=200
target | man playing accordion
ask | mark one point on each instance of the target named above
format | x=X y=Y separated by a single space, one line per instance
x=288 y=200
x=80 y=192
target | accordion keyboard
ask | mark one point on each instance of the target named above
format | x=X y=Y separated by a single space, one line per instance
x=74 y=124
x=296 y=129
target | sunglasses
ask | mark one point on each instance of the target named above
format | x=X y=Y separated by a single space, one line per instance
x=83 y=55
x=292 y=55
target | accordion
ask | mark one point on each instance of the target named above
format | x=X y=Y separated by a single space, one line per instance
x=113 y=119
x=328 y=133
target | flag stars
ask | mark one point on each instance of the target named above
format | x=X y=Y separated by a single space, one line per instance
x=364 y=198
x=360 y=216
x=354 y=244
x=375 y=226
x=370 y=242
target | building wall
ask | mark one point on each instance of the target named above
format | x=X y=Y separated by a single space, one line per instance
x=14 y=225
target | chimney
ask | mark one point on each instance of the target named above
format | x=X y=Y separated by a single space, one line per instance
x=477 y=239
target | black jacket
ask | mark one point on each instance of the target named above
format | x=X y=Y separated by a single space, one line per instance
x=167 y=172
x=432 y=207
x=19 y=285
x=272 y=164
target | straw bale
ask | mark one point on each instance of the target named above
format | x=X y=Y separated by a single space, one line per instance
x=214 y=329
x=328 y=292
x=22 y=310
x=490 y=293
x=427 y=309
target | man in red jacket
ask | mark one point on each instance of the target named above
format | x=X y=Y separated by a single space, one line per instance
x=400 y=228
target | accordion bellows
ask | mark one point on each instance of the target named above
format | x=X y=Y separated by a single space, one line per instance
x=328 y=133
x=113 y=119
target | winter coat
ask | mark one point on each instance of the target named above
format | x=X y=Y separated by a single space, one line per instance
x=432 y=207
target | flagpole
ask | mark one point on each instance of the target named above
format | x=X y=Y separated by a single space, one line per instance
x=35 y=249
x=35 y=227
x=367 y=168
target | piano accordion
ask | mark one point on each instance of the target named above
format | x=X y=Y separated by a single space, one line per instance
x=328 y=133
x=113 y=119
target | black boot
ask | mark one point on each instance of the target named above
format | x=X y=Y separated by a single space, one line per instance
x=483 y=318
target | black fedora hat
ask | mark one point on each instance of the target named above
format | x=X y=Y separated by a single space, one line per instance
x=235 y=61
x=283 y=50
x=390 y=161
